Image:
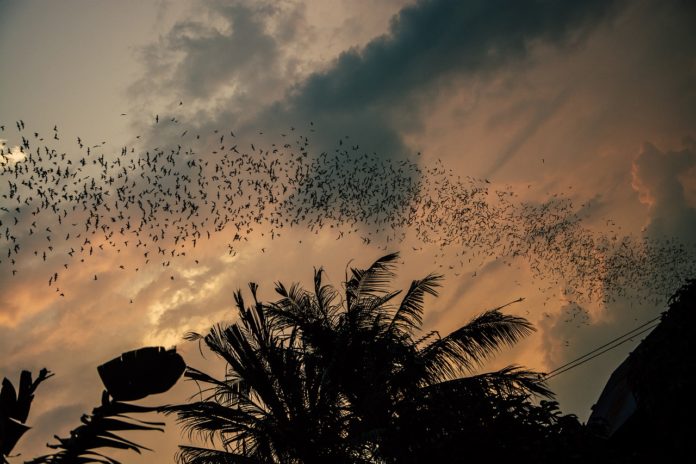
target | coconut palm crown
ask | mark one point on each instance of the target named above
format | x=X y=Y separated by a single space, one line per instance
x=318 y=377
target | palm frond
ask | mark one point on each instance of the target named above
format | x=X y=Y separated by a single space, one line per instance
x=193 y=336
x=372 y=312
x=200 y=376
x=247 y=346
x=409 y=315
x=426 y=337
x=325 y=296
x=509 y=381
x=197 y=455
x=251 y=359
x=207 y=419
x=294 y=309
x=467 y=347
x=370 y=281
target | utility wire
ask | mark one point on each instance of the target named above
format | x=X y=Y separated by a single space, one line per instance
x=602 y=349
x=559 y=372
x=627 y=334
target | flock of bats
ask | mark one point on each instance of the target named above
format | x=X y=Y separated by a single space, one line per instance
x=64 y=201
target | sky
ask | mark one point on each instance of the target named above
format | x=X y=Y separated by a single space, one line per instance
x=569 y=126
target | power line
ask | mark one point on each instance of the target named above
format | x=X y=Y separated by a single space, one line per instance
x=559 y=372
x=630 y=332
x=614 y=343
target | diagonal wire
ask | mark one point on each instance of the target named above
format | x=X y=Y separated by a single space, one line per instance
x=614 y=343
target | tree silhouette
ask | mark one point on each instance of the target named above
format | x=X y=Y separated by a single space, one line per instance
x=14 y=409
x=131 y=376
x=313 y=377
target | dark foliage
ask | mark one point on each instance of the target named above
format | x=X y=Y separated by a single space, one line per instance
x=14 y=409
x=97 y=431
x=133 y=375
x=317 y=378
x=142 y=372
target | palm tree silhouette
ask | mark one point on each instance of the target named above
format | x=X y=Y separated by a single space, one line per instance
x=315 y=377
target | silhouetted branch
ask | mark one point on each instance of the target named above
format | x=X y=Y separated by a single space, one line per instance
x=14 y=409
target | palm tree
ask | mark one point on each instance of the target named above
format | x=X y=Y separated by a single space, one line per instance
x=371 y=345
x=317 y=378
x=269 y=407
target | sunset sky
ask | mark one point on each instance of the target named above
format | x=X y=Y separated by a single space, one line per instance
x=586 y=107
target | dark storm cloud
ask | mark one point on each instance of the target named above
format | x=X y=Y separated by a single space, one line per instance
x=372 y=93
x=377 y=88
x=434 y=38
